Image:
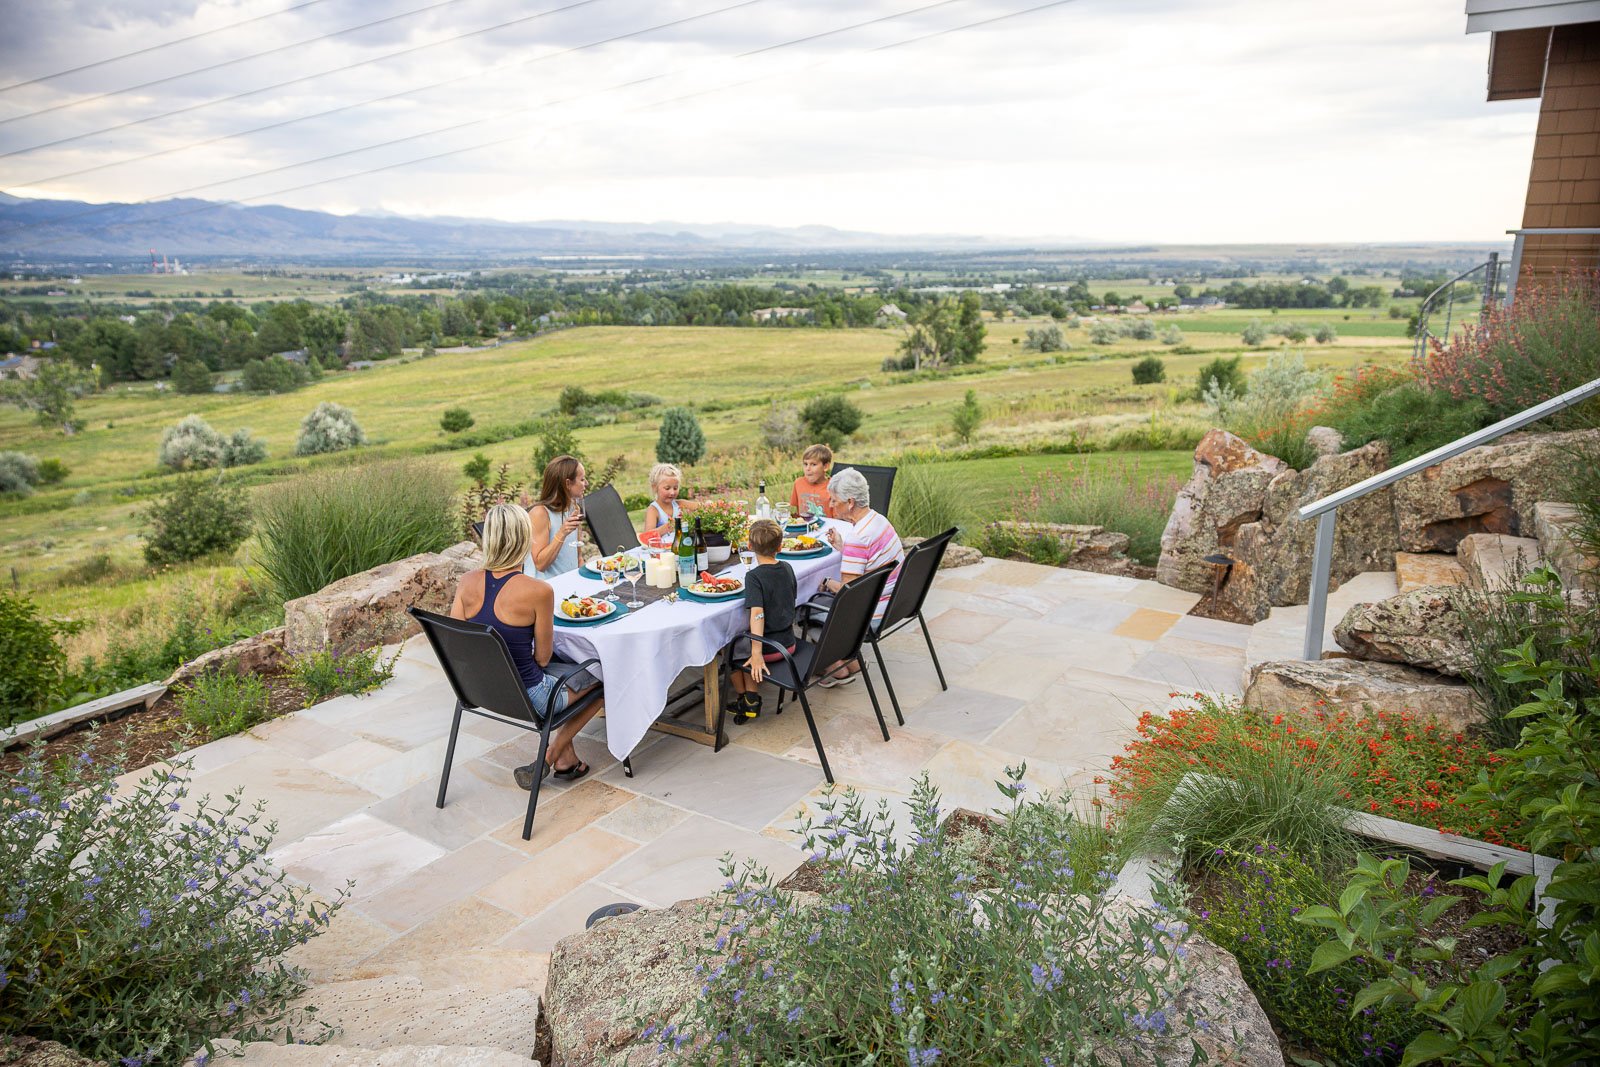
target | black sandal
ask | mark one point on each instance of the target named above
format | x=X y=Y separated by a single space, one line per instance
x=572 y=773
x=524 y=775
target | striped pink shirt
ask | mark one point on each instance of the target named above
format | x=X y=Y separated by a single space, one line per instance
x=870 y=543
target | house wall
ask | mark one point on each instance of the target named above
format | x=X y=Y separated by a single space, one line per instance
x=1564 y=186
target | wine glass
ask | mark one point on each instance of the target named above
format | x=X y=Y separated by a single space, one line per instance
x=632 y=569
x=783 y=514
x=611 y=576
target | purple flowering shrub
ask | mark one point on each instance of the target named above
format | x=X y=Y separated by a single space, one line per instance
x=223 y=703
x=326 y=674
x=136 y=924
x=1254 y=912
x=925 y=949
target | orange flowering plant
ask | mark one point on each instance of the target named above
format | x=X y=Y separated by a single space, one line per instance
x=1402 y=766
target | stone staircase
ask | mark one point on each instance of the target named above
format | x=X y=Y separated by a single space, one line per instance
x=398 y=1021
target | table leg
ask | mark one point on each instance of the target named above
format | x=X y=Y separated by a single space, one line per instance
x=713 y=694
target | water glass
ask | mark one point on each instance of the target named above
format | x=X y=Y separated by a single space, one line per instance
x=783 y=514
x=632 y=569
x=747 y=556
x=611 y=576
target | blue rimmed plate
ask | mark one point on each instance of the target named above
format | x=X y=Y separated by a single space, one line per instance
x=810 y=553
x=712 y=598
x=618 y=609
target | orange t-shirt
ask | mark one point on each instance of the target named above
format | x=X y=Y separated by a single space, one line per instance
x=804 y=494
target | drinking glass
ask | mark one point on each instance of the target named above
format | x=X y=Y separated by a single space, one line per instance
x=632 y=569
x=747 y=556
x=611 y=576
x=783 y=514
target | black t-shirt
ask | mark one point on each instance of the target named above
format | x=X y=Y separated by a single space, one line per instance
x=770 y=586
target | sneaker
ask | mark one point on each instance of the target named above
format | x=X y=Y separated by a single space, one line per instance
x=833 y=680
x=524 y=775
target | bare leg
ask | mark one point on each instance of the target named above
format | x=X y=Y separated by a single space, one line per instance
x=561 y=754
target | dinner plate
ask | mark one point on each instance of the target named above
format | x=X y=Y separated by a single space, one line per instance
x=820 y=550
x=590 y=572
x=617 y=609
x=714 y=597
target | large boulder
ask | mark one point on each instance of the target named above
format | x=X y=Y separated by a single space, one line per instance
x=369 y=608
x=1227 y=490
x=1083 y=547
x=1556 y=526
x=600 y=977
x=1490 y=489
x=1361 y=688
x=262 y=653
x=16 y=1051
x=955 y=555
x=1422 y=628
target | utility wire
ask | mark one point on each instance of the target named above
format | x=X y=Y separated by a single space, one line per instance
x=159 y=47
x=470 y=76
x=497 y=142
x=283 y=84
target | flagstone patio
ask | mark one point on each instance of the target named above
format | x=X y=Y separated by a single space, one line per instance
x=1045 y=665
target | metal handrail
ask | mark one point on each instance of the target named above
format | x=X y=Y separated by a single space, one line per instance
x=1491 y=282
x=1325 y=511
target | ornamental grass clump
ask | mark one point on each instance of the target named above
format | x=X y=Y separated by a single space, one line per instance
x=139 y=925
x=941 y=950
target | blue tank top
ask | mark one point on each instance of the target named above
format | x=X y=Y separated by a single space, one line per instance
x=519 y=639
x=566 y=556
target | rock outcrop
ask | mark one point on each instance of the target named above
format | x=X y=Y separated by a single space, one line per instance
x=1491 y=489
x=1416 y=570
x=262 y=653
x=18 y=1051
x=1555 y=526
x=1082 y=547
x=1495 y=562
x=954 y=555
x=1421 y=628
x=1226 y=491
x=1361 y=688
x=369 y=608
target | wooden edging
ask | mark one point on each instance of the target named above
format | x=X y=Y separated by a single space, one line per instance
x=1134 y=879
x=60 y=722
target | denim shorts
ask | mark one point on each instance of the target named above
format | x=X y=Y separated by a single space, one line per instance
x=540 y=691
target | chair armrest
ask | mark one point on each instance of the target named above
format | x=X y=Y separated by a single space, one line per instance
x=549 y=702
x=769 y=643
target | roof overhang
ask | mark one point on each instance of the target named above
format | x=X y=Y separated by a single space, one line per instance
x=1494 y=16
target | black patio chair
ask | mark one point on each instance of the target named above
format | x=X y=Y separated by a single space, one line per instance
x=479 y=666
x=880 y=483
x=477 y=528
x=840 y=642
x=608 y=520
x=905 y=604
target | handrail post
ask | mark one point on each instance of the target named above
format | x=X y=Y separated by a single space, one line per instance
x=1321 y=567
x=1516 y=269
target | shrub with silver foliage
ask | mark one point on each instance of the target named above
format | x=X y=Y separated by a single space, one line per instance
x=330 y=428
x=19 y=473
x=781 y=427
x=190 y=445
x=242 y=449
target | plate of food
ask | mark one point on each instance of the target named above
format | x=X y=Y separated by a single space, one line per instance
x=710 y=587
x=586 y=610
x=597 y=567
x=802 y=546
x=801 y=526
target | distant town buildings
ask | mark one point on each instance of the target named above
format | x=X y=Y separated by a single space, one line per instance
x=19 y=368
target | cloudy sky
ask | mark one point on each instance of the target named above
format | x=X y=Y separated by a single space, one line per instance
x=1149 y=120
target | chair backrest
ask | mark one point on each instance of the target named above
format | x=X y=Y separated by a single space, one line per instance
x=848 y=619
x=608 y=520
x=916 y=578
x=477 y=528
x=880 y=483
x=478 y=664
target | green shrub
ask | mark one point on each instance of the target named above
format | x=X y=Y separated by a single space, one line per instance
x=1222 y=373
x=454 y=420
x=831 y=420
x=1254 y=333
x=273 y=375
x=555 y=439
x=1149 y=371
x=35 y=664
x=326 y=525
x=945 y=950
x=190 y=444
x=326 y=674
x=1045 y=549
x=139 y=927
x=998 y=541
x=1580 y=484
x=1045 y=339
x=1118 y=495
x=223 y=703
x=19 y=473
x=1411 y=418
x=680 y=440
x=52 y=472
x=781 y=427
x=925 y=503
x=192 y=377
x=329 y=428
x=1142 y=329
x=477 y=468
x=1326 y=334
x=1171 y=336
x=199 y=515
x=1104 y=333
x=967 y=417
x=242 y=449
x=1252 y=912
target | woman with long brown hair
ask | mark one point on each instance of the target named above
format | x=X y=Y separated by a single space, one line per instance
x=556 y=517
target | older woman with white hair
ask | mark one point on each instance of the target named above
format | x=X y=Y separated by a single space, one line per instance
x=867 y=543
x=522 y=610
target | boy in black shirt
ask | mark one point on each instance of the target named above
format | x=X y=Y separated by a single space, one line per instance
x=769 y=594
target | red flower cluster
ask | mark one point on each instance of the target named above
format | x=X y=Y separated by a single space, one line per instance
x=1401 y=766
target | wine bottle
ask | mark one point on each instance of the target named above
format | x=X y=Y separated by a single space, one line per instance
x=683 y=547
x=677 y=545
x=702 y=551
x=763 y=505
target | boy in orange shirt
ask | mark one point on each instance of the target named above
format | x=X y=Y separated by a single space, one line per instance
x=812 y=486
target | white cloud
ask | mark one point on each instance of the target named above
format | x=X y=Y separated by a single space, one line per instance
x=1266 y=120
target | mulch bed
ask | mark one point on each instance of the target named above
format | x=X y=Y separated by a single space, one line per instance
x=141 y=736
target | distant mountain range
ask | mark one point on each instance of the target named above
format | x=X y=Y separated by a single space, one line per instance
x=57 y=229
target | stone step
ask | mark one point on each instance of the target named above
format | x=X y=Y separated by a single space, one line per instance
x=1413 y=570
x=1555 y=527
x=1281 y=635
x=377 y=1013
x=1494 y=561
x=266 y=1054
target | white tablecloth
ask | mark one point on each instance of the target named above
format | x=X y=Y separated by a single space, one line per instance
x=642 y=653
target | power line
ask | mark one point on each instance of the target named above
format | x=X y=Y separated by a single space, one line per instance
x=159 y=47
x=497 y=142
x=227 y=63
x=283 y=84
x=471 y=76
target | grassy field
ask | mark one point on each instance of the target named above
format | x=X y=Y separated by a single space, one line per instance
x=1028 y=399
